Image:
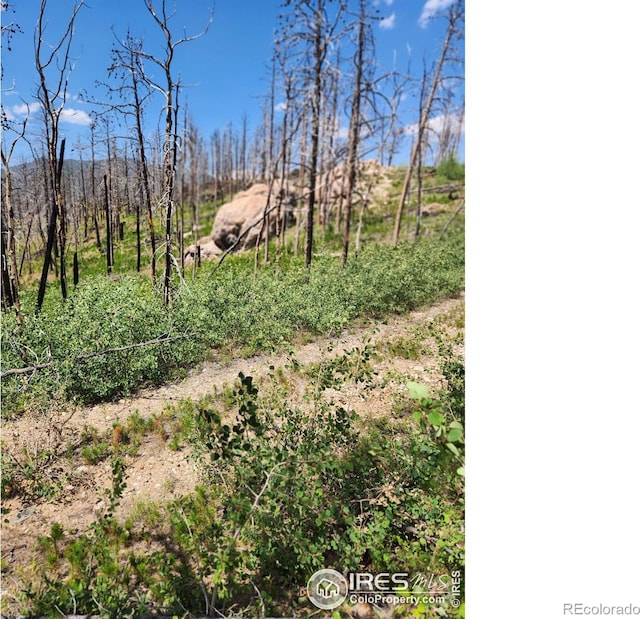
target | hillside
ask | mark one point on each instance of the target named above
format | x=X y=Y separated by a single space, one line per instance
x=169 y=459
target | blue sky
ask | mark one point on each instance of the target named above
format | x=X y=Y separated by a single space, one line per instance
x=227 y=70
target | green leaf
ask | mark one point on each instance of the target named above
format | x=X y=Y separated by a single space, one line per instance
x=417 y=391
x=456 y=424
x=453 y=449
x=455 y=434
x=460 y=471
x=435 y=418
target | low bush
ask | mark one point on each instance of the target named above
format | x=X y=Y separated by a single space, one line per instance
x=114 y=336
x=451 y=169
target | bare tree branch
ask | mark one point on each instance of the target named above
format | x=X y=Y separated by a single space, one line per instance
x=158 y=340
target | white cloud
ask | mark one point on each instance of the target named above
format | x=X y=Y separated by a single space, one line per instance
x=435 y=125
x=388 y=2
x=389 y=22
x=25 y=108
x=280 y=107
x=75 y=117
x=431 y=7
x=68 y=114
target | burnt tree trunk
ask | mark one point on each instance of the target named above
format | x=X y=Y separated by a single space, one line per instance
x=51 y=238
x=107 y=216
x=425 y=113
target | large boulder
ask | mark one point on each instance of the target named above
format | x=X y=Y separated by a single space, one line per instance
x=208 y=250
x=242 y=217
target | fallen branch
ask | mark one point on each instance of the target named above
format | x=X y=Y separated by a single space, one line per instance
x=452 y=218
x=30 y=368
x=158 y=340
x=443 y=188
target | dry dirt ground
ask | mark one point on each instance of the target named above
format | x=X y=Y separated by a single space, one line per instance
x=157 y=473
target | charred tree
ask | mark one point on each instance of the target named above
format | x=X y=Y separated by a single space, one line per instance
x=107 y=217
x=455 y=16
x=54 y=62
x=169 y=89
x=51 y=240
x=355 y=123
x=10 y=272
x=311 y=29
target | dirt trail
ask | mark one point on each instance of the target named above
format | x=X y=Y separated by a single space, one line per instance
x=201 y=380
x=157 y=473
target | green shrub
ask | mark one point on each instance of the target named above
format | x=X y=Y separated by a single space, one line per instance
x=113 y=336
x=451 y=169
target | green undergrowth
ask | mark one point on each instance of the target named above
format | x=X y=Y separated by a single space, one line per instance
x=113 y=335
x=451 y=170
x=290 y=483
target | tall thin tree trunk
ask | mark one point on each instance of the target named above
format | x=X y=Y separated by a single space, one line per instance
x=85 y=209
x=315 y=133
x=51 y=234
x=332 y=121
x=94 y=196
x=76 y=269
x=62 y=223
x=135 y=67
x=107 y=216
x=354 y=134
x=419 y=194
x=272 y=165
x=170 y=154
x=282 y=193
x=51 y=238
x=138 y=238
x=11 y=265
x=7 y=288
x=52 y=102
x=26 y=252
x=422 y=125
x=301 y=179
x=108 y=188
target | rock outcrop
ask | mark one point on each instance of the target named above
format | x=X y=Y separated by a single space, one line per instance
x=240 y=221
x=208 y=250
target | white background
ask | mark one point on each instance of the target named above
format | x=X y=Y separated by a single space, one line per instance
x=553 y=302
